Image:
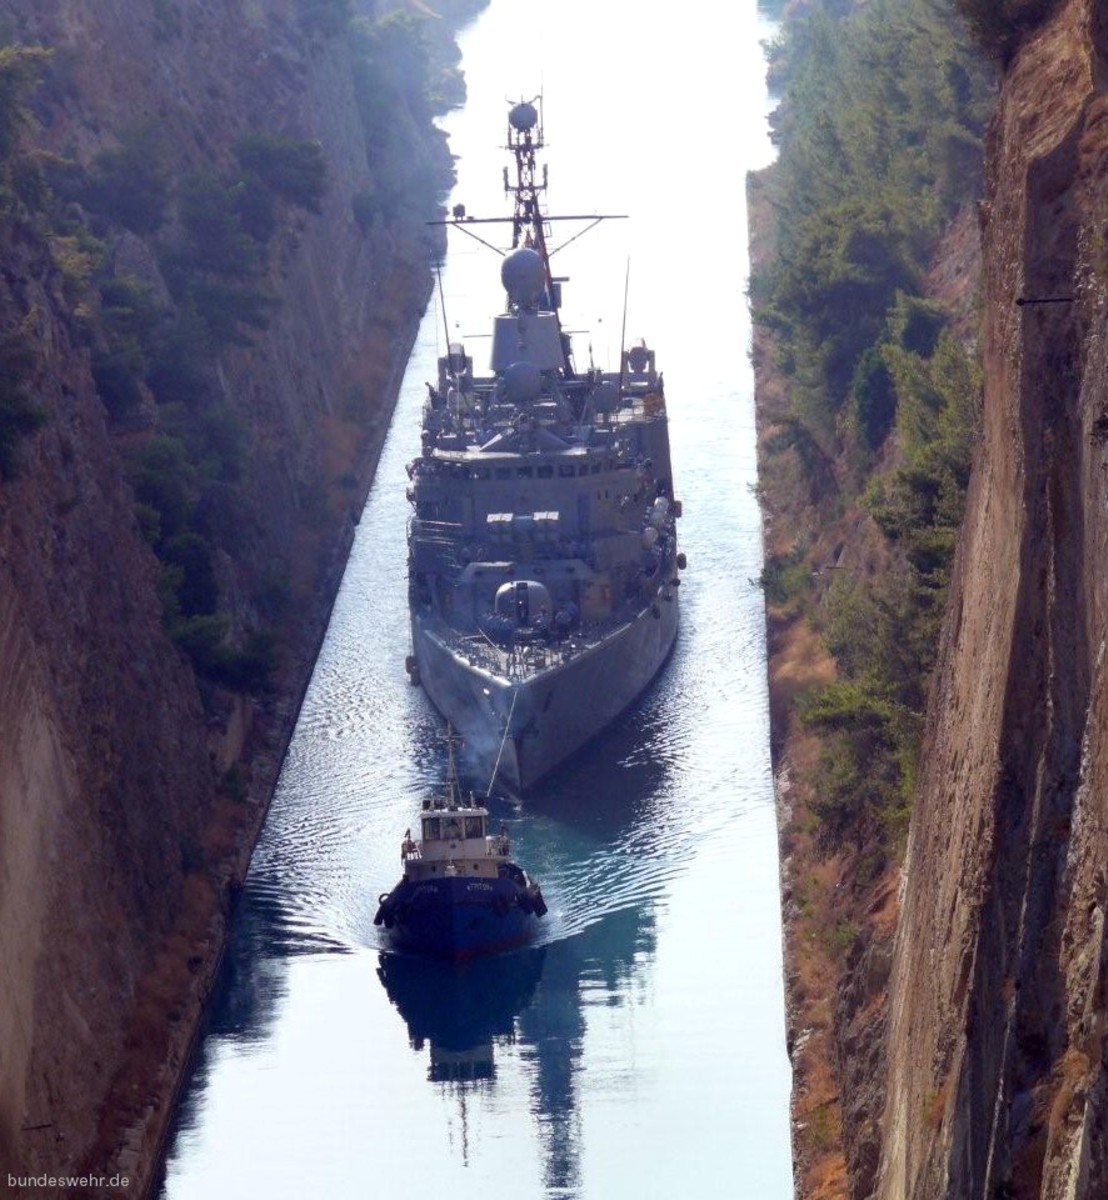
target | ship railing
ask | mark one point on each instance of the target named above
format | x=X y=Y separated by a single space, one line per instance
x=481 y=652
x=443 y=530
x=518 y=662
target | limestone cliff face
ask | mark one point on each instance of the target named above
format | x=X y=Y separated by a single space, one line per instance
x=996 y=1054
x=104 y=773
x=117 y=848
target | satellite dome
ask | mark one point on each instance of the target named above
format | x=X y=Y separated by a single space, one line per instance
x=522 y=382
x=523 y=116
x=524 y=277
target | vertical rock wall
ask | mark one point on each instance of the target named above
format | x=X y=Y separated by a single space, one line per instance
x=104 y=772
x=997 y=1007
x=116 y=848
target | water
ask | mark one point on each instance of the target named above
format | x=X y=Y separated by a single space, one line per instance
x=638 y=1051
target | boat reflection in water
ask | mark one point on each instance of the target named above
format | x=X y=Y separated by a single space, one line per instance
x=461 y=1011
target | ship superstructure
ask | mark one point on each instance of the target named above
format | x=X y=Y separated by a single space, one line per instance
x=543 y=561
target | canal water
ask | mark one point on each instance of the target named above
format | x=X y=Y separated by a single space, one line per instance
x=638 y=1051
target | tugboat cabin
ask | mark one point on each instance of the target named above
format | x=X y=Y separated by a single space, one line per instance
x=455 y=841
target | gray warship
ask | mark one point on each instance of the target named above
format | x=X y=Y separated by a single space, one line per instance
x=543 y=560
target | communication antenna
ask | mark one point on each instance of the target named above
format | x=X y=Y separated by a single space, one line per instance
x=623 y=330
x=442 y=305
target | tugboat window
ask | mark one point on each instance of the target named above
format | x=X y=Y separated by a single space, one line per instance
x=431 y=829
x=452 y=828
x=565 y=470
x=473 y=827
x=545 y=472
x=503 y=473
x=583 y=469
x=524 y=472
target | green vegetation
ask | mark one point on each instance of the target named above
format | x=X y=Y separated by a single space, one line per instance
x=291 y=168
x=327 y=17
x=163 y=268
x=21 y=68
x=19 y=415
x=130 y=184
x=881 y=127
x=22 y=189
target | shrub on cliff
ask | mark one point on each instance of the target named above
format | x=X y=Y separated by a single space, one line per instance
x=160 y=476
x=197 y=593
x=327 y=17
x=20 y=416
x=21 y=68
x=246 y=668
x=130 y=184
x=293 y=168
x=214 y=238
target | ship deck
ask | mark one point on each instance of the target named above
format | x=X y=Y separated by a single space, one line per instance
x=531 y=659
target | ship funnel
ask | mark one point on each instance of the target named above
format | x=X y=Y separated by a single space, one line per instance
x=524 y=277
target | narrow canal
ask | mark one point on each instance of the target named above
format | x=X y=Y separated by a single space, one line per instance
x=639 y=1051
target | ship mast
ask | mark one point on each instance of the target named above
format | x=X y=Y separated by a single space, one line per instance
x=525 y=139
x=530 y=225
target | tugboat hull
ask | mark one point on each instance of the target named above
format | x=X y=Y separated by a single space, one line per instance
x=552 y=713
x=458 y=918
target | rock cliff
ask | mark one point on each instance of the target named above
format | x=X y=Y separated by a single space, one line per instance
x=131 y=785
x=997 y=1002
x=948 y=1015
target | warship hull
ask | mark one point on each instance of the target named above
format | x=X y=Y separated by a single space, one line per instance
x=550 y=714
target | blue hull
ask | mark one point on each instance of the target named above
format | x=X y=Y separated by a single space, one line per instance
x=458 y=918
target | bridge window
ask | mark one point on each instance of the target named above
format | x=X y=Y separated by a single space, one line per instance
x=545 y=472
x=566 y=470
x=503 y=473
x=524 y=472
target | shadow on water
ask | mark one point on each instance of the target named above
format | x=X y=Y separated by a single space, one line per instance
x=461 y=1011
x=533 y=1001
x=608 y=780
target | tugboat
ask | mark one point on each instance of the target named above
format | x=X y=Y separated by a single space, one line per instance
x=461 y=896
x=543 y=561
